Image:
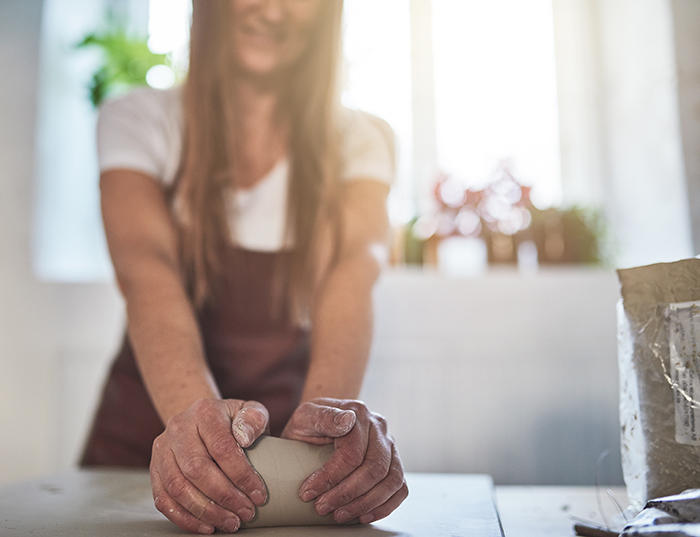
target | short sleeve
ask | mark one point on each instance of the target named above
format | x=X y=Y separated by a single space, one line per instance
x=140 y=131
x=367 y=148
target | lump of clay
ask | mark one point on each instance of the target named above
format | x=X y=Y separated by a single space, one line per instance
x=284 y=465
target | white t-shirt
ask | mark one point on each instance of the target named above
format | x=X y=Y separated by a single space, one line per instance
x=143 y=131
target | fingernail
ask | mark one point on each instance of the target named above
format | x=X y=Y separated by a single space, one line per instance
x=366 y=519
x=205 y=529
x=342 y=516
x=308 y=495
x=246 y=514
x=245 y=433
x=231 y=524
x=345 y=419
x=323 y=509
x=258 y=497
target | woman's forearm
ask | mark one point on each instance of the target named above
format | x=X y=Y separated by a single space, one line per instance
x=342 y=329
x=342 y=317
x=167 y=343
x=162 y=326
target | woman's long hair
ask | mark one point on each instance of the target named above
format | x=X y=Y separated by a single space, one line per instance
x=310 y=102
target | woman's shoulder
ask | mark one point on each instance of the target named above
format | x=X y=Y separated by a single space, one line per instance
x=356 y=122
x=142 y=130
x=367 y=146
x=145 y=100
x=158 y=111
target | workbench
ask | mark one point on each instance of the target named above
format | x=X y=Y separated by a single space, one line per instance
x=109 y=503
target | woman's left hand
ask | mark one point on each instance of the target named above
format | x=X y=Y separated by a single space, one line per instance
x=364 y=477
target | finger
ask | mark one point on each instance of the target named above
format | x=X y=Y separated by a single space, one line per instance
x=191 y=452
x=229 y=479
x=377 y=496
x=185 y=519
x=374 y=469
x=173 y=511
x=349 y=454
x=388 y=507
x=249 y=422
x=181 y=490
x=312 y=420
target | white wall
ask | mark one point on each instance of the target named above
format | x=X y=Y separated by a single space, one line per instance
x=25 y=306
x=507 y=375
x=42 y=326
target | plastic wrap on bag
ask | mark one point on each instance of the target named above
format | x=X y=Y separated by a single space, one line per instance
x=657 y=523
x=659 y=359
x=677 y=515
x=684 y=506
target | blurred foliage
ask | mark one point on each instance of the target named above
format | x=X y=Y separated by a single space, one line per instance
x=413 y=247
x=503 y=216
x=583 y=233
x=125 y=60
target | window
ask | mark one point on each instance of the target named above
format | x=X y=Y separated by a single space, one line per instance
x=495 y=92
x=486 y=93
x=377 y=79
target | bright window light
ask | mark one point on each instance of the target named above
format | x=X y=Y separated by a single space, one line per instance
x=168 y=25
x=160 y=77
x=169 y=33
x=495 y=92
x=378 y=80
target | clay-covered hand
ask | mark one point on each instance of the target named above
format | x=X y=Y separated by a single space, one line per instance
x=364 y=476
x=200 y=476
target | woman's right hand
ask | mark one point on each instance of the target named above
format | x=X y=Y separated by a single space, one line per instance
x=200 y=476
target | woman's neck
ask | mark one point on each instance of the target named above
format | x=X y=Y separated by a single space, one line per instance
x=257 y=104
x=263 y=135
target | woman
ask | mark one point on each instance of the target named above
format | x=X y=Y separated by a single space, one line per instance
x=239 y=210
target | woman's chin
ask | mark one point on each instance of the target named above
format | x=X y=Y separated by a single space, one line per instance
x=262 y=66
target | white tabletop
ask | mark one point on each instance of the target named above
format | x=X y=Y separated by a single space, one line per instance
x=552 y=511
x=107 y=504
x=110 y=503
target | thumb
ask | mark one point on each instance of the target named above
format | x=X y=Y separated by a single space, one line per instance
x=249 y=422
x=313 y=420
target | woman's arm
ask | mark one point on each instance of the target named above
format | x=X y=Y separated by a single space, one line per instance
x=342 y=315
x=161 y=323
x=199 y=455
x=364 y=477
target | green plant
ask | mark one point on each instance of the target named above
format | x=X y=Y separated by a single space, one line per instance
x=126 y=60
x=583 y=232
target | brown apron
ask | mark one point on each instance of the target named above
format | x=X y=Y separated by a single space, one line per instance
x=253 y=355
